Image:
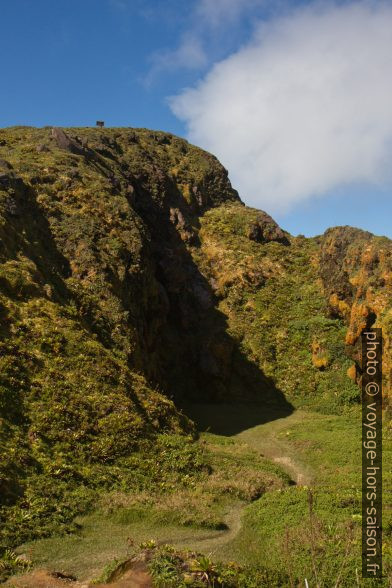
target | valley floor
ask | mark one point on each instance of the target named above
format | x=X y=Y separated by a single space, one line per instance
x=310 y=526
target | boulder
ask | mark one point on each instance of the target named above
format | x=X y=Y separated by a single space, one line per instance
x=42 y=148
x=65 y=142
x=5 y=165
x=264 y=229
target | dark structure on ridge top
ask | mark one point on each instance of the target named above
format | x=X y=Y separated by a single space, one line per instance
x=100 y=123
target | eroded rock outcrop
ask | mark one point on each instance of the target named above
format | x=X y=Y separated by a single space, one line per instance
x=264 y=229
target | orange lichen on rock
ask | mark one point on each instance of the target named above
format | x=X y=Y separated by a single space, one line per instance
x=339 y=306
x=358 y=322
x=352 y=372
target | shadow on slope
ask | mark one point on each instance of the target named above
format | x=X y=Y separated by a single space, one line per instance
x=200 y=361
x=231 y=419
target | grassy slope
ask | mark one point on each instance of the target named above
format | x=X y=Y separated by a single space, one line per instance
x=81 y=311
x=276 y=304
x=199 y=511
x=274 y=533
x=325 y=452
x=80 y=305
x=274 y=300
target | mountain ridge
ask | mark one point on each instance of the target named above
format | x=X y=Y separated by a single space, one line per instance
x=133 y=280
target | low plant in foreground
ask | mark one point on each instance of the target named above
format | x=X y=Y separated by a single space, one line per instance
x=107 y=572
x=178 y=569
x=11 y=563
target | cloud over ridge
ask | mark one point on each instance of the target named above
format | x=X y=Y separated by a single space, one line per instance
x=305 y=107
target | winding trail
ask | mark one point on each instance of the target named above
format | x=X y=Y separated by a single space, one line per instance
x=268 y=439
x=211 y=541
x=266 y=434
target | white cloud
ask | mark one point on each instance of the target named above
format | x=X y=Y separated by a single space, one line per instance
x=304 y=108
x=189 y=54
x=208 y=24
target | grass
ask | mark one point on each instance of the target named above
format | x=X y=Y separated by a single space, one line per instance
x=171 y=568
x=276 y=531
x=276 y=306
x=296 y=528
x=197 y=509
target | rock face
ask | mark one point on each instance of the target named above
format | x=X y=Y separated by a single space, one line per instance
x=356 y=270
x=64 y=142
x=264 y=229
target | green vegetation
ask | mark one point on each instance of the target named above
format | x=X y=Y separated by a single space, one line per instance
x=276 y=307
x=108 y=571
x=186 y=494
x=11 y=563
x=312 y=530
x=76 y=283
x=174 y=569
x=132 y=282
x=295 y=529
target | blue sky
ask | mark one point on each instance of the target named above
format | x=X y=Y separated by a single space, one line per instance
x=71 y=62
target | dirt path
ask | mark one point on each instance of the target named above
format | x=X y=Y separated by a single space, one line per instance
x=264 y=430
x=269 y=440
x=210 y=543
x=137 y=576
